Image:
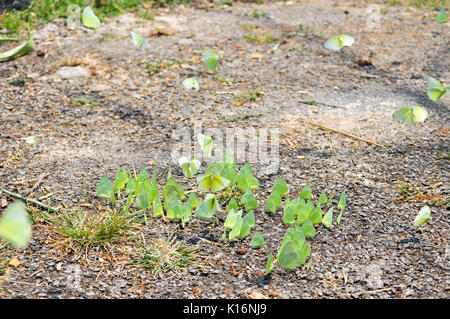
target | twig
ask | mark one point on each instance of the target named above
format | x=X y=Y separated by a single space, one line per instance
x=8 y=160
x=28 y=200
x=377 y=291
x=240 y=117
x=211 y=242
x=345 y=134
x=314 y=102
x=38 y=182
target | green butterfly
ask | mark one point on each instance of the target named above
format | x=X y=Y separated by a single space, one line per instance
x=411 y=114
x=189 y=168
x=211 y=182
x=338 y=42
x=423 y=216
x=18 y=51
x=89 y=18
x=211 y=60
x=205 y=142
x=435 y=90
x=138 y=40
x=15 y=226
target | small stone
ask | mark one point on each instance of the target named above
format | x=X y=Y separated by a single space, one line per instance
x=72 y=72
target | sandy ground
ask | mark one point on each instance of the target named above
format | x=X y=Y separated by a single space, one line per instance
x=132 y=116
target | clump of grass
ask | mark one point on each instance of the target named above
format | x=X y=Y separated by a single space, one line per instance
x=430 y=4
x=251 y=95
x=164 y=254
x=42 y=11
x=80 y=101
x=413 y=193
x=84 y=228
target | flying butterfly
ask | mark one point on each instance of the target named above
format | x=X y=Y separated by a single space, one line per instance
x=138 y=40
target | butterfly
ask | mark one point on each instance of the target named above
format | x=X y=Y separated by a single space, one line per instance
x=15 y=225
x=139 y=40
x=411 y=114
x=435 y=90
x=212 y=182
x=89 y=18
x=191 y=83
x=338 y=42
x=211 y=60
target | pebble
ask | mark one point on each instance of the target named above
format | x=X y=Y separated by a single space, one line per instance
x=72 y=72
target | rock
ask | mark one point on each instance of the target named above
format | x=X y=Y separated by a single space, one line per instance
x=72 y=72
x=373 y=277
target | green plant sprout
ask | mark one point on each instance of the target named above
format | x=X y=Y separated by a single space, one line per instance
x=164 y=254
x=89 y=19
x=411 y=114
x=338 y=42
x=139 y=41
x=435 y=90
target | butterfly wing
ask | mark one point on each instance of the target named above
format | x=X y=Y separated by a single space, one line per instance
x=138 y=40
x=89 y=18
x=15 y=225
x=218 y=183
x=191 y=83
x=333 y=43
x=411 y=114
x=346 y=40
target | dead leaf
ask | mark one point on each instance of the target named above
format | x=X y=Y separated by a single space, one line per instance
x=257 y=56
x=4 y=203
x=161 y=32
x=242 y=250
x=14 y=262
x=257 y=295
x=196 y=291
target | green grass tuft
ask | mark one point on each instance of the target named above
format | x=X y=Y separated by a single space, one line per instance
x=42 y=11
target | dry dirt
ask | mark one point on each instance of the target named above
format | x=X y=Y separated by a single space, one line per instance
x=131 y=115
